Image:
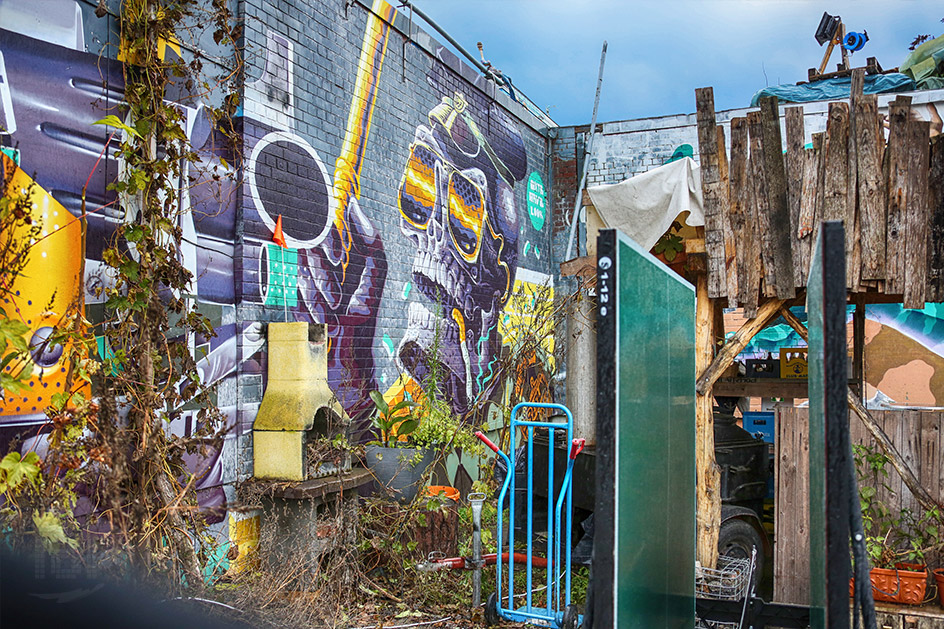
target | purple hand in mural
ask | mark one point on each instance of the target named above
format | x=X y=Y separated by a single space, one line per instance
x=341 y=286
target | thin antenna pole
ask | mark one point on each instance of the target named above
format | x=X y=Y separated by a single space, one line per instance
x=586 y=158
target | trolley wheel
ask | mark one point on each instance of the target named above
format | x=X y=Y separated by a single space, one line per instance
x=570 y=618
x=491 y=610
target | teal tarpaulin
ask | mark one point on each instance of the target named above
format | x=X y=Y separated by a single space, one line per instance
x=832 y=89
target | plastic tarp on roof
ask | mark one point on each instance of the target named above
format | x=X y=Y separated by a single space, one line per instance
x=926 y=64
x=644 y=206
x=834 y=89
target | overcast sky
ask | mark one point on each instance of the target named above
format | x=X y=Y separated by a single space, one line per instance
x=660 y=51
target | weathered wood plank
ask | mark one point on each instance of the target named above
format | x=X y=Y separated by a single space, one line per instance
x=807 y=208
x=785 y=496
x=760 y=202
x=837 y=164
x=730 y=249
x=936 y=222
x=871 y=185
x=819 y=143
x=796 y=162
x=899 y=111
x=911 y=452
x=779 y=221
x=791 y=554
x=853 y=248
x=916 y=216
x=742 y=219
x=715 y=197
x=929 y=462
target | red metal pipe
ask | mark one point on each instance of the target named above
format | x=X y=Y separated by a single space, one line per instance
x=463 y=563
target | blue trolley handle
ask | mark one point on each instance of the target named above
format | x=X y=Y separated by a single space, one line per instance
x=501 y=501
x=575 y=448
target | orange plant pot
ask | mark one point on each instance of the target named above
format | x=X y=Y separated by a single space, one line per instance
x=939 y=579
x=896 y=586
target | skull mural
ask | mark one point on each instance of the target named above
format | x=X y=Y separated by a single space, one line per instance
x=457 y=205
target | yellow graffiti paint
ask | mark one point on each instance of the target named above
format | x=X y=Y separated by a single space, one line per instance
x=244 y=535
x=46 y=290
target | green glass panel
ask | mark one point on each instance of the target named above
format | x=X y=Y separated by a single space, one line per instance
x=655 y=443
x=815 y=358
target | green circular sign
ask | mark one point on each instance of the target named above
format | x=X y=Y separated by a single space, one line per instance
x=537 y=201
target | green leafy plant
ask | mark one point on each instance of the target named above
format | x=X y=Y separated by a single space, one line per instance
x=892 y=536
x=392 y=421
x=670 y=244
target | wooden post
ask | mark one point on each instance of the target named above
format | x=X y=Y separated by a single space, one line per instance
x=858 y=344
x=708 y=490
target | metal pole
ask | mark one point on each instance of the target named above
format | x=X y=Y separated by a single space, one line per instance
x=476 y=501
x=586 y=159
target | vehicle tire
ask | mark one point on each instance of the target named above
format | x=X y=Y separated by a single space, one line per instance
x=570 y=618
x=491 y=610
x=735 y=541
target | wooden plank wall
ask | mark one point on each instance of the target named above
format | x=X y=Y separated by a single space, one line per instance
x=916 y=434
x=761 y=220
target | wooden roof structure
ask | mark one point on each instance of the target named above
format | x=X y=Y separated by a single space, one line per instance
x=763 y=205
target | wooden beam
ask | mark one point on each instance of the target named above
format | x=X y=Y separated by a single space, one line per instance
x=734 y=345
x=779 y=221
x=715 y=195
x=888 y=448
x=708 y=475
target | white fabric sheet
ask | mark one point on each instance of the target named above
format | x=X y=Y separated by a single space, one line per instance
x=644 y=206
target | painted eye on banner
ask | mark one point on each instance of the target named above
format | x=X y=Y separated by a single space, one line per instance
x=287 y=178
x=43 y=353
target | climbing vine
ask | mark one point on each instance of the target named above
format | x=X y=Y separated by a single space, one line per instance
x=115 y=447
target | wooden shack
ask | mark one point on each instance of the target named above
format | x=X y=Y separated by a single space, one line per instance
x=763 y=201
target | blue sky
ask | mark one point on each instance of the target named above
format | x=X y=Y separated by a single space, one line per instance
x=660 y=51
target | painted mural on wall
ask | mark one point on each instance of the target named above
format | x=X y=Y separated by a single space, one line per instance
x=428 y=237
x=457 y=213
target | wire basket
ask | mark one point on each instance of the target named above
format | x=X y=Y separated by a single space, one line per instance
x=728 y=582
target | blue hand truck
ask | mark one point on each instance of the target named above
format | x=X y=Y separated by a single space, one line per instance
x=558 y=612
